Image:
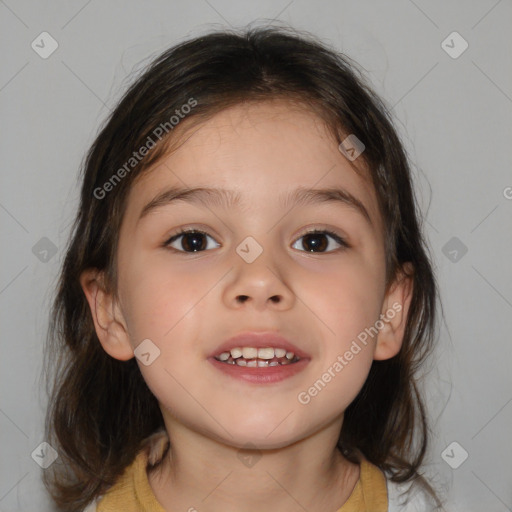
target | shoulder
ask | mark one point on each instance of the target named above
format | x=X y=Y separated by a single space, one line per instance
x=132 y=485
x=409 y=497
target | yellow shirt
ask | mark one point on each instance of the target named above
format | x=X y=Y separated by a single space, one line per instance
x=132 y=492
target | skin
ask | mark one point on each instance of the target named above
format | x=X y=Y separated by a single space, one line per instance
x=186 y=304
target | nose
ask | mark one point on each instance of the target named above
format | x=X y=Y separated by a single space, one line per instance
x=260 y=284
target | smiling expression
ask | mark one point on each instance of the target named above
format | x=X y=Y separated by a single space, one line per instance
x=267 y=174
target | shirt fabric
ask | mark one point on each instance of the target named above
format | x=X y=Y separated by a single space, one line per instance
x=132 y=492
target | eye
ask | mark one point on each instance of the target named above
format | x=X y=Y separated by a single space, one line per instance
x=316 y=241
x=195 y=240
x=192 y=240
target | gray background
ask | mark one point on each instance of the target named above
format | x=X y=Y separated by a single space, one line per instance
x=454 y=115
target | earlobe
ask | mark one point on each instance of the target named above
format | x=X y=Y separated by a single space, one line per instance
x=108 y=321
x=394 y=315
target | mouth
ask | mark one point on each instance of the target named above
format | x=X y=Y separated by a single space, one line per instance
x=259 y=358
x=253 y=357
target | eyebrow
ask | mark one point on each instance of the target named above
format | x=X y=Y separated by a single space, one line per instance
x=225 y=198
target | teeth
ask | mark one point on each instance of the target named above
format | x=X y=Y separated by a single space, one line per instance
x=236 y=352
x=249 y=352
x=257 y=357
x=253 y=353
x=266 y=353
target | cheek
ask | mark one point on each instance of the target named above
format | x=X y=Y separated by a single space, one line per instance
x=347 y=298
x=156 y=297
x=349 y=305
x=335 y=387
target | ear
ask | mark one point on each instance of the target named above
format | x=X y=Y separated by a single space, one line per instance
x=108 y=320
x=394 y=314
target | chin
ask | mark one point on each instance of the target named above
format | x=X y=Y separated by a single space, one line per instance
x=259 y=442
x=269 y=433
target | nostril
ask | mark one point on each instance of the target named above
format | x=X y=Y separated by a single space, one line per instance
x=243 y=298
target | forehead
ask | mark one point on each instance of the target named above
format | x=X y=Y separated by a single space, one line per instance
x=260 y=151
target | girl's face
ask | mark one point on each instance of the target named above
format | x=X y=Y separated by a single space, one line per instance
x=312 y=290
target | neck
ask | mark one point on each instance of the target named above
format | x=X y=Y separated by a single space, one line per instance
x=208 y=475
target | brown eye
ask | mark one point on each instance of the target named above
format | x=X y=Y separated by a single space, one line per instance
x=318 y=241
x=191 y=241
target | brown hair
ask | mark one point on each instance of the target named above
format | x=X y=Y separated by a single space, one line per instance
x=100 y=409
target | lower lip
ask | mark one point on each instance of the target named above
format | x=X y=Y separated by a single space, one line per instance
x=261 y=375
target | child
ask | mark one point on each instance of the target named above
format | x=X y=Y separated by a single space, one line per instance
x=246 y=296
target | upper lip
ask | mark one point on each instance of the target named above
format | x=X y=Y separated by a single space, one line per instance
x=259 y=340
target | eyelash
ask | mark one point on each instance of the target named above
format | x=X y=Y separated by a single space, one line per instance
x=341 y=241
